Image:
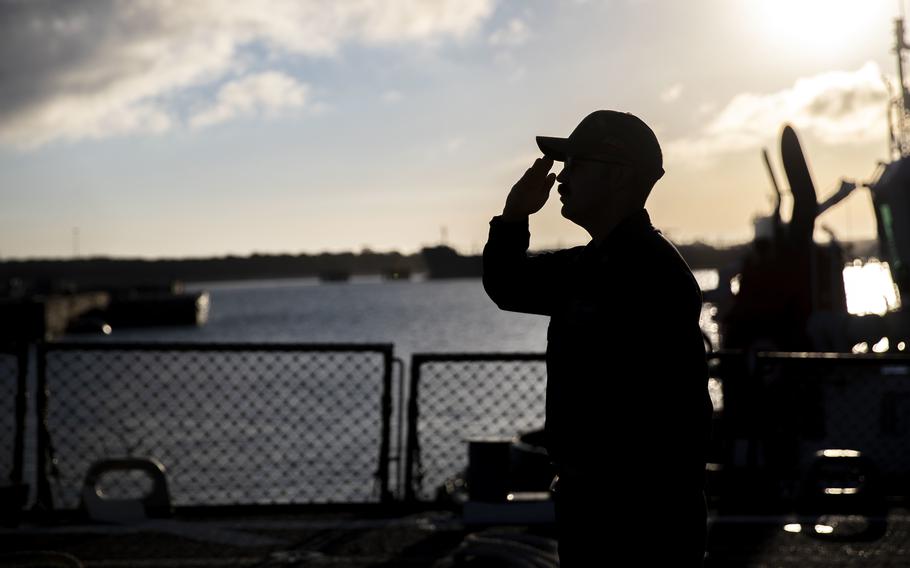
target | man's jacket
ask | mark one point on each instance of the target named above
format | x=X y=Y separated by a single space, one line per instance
x=626 y=373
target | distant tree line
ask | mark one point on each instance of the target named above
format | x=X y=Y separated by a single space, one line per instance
x=62 y=275
x=59 y=275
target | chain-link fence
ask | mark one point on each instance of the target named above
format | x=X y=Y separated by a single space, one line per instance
x=233 y=424
x=13 y=370
x=456 y=397
x=809 y=402
x=774 y=411
x=275 y=424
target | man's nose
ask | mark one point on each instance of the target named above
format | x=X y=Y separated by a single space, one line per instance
x=561 y=178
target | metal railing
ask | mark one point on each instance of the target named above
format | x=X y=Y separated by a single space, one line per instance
x=251 y=424
x=454 y=397
x=234 y=424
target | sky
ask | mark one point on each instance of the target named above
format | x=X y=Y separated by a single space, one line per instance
x=206 y=128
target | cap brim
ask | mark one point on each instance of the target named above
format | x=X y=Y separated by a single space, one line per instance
x=553 y=147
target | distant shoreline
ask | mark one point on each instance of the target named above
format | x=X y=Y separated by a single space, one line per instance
x=88 y=273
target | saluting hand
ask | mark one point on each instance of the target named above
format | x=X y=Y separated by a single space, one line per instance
x=531 y=192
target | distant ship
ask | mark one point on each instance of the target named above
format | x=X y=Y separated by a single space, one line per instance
x=444 y=262
x=335 y=276
x=396 y=273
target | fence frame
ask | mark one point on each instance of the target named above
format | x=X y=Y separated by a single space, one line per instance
x=46 y=463
x=404 y=485
x=412 y=444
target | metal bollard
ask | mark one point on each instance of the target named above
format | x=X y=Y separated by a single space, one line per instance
x=155 y=504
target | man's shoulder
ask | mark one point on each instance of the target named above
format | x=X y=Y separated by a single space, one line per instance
x=660 y=256
x=652 y=242
x=667 y=247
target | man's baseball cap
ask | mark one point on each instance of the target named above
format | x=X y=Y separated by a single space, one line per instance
x=609 y=134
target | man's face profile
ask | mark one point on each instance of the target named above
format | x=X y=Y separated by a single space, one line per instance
x=585 y=188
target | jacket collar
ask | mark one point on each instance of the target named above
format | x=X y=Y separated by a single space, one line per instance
x=634 y=224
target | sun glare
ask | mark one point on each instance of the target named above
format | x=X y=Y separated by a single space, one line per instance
x=870 y=288
x=818 y=27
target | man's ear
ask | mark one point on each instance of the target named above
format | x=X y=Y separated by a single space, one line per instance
x=620 y=174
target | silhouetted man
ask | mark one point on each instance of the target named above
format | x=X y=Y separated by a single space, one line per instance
x=628 y=411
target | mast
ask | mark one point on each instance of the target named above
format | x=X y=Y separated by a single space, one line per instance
x=899 y=144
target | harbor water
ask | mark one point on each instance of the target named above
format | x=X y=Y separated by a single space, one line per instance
x=417 y=316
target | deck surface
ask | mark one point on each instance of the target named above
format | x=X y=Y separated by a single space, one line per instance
x=427 y=539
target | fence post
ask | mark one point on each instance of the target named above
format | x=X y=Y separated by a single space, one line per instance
x=21 y=398
x=44 y=498
x=399 y=428
x=412 y=444
x=385 y=495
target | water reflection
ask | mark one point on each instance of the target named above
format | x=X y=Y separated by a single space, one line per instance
x=870 y=288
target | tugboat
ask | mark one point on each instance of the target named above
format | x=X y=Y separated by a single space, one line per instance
x=444 y=262
x=790 y=294
x=393 y=273
x=334 y=276
x=813 y=395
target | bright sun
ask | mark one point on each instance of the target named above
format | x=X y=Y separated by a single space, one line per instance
x=816 y=27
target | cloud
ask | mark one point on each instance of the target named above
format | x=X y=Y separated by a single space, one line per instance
x=840 y=107
x=392 y=96
x=513 y=34
x=454 y=144
x=512 y=68
x=95 y=68
x=266 y=93
x=672 y=93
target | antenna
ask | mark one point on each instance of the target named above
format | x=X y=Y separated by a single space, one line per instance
x=75 y=242
x=443 y=235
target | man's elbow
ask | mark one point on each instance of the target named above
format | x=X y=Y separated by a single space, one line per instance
x=492 y=289
x=496 y=290
x=505 y=300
